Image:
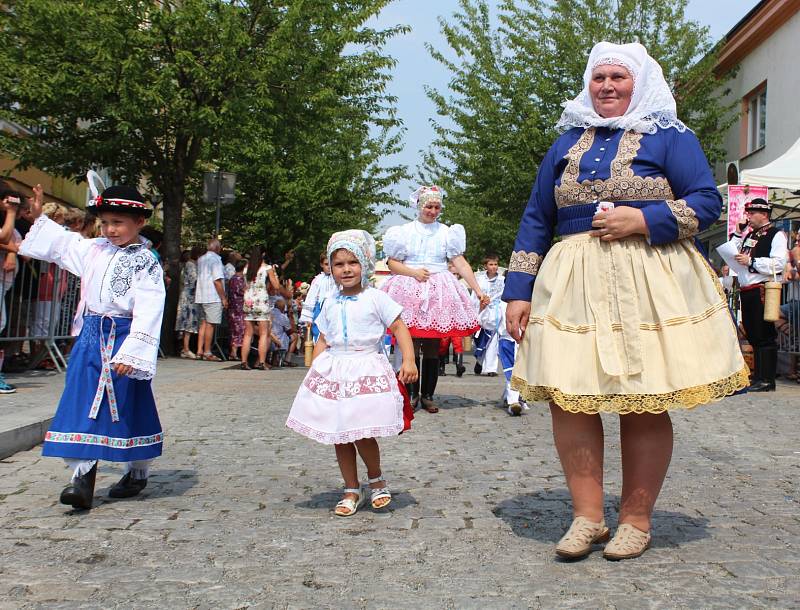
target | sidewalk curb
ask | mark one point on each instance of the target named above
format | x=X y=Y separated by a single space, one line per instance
x=23 y=438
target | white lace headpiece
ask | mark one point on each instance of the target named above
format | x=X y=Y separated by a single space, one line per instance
x=424 y=194
x=652 y=104
x=359 y=243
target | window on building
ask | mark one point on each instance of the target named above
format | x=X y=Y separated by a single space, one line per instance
x=757 y=119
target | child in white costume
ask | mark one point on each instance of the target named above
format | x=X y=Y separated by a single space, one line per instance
x=490 y=318
x=351 y=395
x=322 y=286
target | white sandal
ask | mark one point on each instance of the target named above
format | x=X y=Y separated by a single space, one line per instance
x=380 y=493
x=350 y=504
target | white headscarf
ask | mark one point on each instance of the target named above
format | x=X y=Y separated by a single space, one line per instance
x=652 y=104
x=359 y=243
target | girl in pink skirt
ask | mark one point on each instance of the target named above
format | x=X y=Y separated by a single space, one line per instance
x=435 y=305
x=351 y=395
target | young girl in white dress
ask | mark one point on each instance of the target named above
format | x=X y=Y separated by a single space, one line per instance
x=351 y=395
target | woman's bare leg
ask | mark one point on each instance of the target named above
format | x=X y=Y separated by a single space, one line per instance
x=646 y=453
x=263 y=341
x=579 y=442
x=247 y=340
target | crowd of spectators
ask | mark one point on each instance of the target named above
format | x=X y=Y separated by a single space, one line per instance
x=240 y=308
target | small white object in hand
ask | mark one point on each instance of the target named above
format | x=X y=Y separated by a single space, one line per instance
x=604 y=206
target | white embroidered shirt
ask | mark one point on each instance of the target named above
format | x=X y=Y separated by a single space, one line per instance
x=123 y=282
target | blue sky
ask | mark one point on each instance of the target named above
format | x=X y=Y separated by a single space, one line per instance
x=415 y=68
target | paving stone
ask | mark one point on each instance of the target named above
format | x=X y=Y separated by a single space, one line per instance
x=238 y=512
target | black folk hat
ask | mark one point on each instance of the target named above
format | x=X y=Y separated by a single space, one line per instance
x=122 y=199
x=758 y=205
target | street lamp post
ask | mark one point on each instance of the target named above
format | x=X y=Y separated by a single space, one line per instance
x=218 y=188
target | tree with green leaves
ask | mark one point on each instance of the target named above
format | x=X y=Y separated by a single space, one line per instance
x=511 y=72
x=290 y=93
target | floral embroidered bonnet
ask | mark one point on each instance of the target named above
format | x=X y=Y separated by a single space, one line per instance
x=652 y=104
x=359 y=243
x=426 y=194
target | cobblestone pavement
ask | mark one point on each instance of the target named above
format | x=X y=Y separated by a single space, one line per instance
x=238 y=512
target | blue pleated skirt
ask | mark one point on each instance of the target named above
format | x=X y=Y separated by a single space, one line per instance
x=73 y=434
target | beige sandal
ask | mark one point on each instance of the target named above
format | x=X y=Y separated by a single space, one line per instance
x=580 y=537
x=627 y=543
x=347 y=507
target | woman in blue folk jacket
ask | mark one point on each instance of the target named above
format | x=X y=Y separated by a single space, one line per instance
x=623 y=314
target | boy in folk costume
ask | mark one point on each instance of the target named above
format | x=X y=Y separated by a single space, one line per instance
x=490 y=319
x=322 y=286
x=107 y=410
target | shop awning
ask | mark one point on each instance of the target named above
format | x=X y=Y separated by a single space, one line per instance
x=783 y=172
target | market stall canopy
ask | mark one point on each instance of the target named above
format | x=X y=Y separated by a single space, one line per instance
x=783 y=172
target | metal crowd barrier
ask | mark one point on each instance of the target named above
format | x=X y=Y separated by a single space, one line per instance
x=789 y=324
x=38 y=305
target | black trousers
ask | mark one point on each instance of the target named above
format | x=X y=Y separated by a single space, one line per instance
x=760 y=334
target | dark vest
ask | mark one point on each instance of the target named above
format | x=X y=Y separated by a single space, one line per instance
x=764 y=244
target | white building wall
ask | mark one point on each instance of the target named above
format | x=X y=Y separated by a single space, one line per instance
x=776 y=60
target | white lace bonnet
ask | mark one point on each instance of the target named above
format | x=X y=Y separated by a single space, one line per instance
x=361 y=244
x=652 y=104
x=425 y=194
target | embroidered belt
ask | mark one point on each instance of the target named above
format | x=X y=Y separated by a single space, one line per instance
x=751 y=287
x=106 y=383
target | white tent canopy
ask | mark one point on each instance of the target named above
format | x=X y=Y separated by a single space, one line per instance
x=783 y=172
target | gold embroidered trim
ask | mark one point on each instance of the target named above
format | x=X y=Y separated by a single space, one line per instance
x=525 y=262
x=624 y=404
x=574 y=155
x=686 y=217
x=616 y=326
x=629 y=145
x=622 y=184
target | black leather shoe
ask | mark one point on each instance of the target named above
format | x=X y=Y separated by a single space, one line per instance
x=80 y=491
x=492 y=374
x=127 y=487
x=762 y=386
x=478 y=368
x=460 y=368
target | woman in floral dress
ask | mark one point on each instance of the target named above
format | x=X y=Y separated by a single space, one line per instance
x=257 y=306
x=187 y=321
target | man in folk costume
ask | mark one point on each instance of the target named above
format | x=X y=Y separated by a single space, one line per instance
x=107 y=410
x=763 y=249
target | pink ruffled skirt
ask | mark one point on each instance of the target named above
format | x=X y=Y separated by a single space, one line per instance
x=347 y=396
x=437 y=308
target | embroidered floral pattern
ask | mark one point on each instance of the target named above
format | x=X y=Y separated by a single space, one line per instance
x=686 y=217
x=439 y=307
x=335 y=390
x=131 y=261
x=525 y=262
x=106 y=441
x=144 y=337
x=622 y=184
